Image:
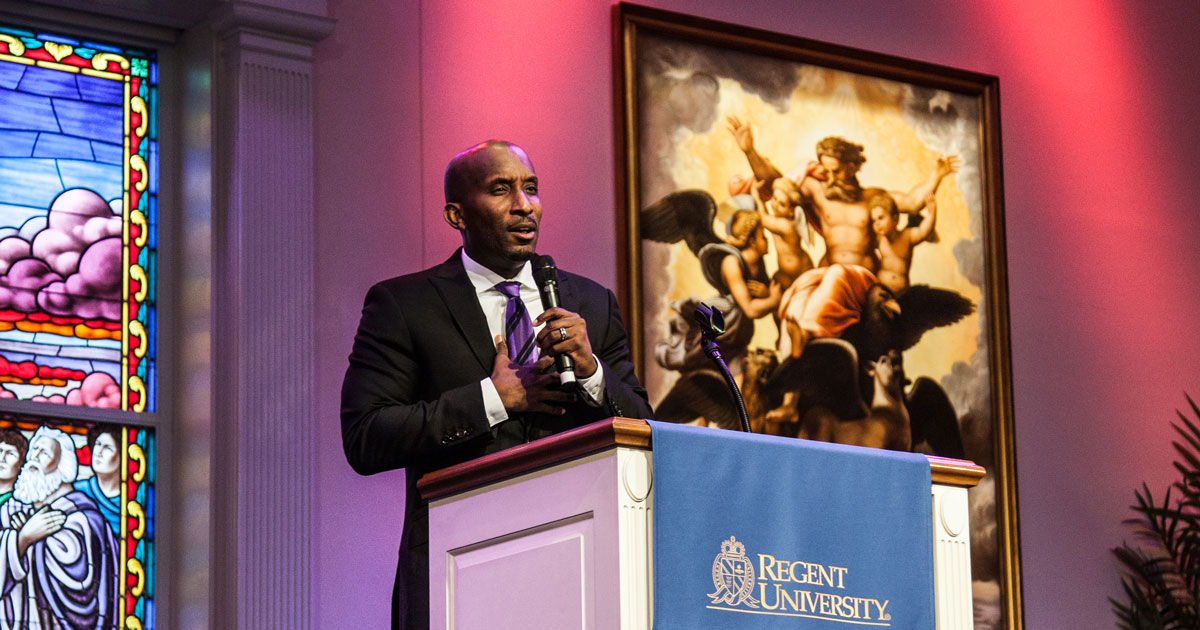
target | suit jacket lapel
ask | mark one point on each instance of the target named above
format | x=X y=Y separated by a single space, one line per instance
x=566 y=294
x=451 y=282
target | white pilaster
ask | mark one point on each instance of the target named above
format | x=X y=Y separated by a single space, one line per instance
x=952 y=558
x=263 y=472
x=636 y=518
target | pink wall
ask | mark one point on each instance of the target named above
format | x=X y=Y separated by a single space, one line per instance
x=1097 y=102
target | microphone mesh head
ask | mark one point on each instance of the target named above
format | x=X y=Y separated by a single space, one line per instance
x=544 y=269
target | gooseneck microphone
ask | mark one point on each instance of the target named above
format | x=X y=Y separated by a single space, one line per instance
x=545 y=275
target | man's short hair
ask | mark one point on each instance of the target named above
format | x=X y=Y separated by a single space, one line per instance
x=455 y=181
x=841 y=149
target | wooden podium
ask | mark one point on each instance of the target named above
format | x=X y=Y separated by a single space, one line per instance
x=558 y=534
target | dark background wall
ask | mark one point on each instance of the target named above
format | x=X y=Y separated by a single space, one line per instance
x=1100 y=153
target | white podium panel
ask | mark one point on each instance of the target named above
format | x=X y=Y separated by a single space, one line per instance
x=554 y=590
x=542 y=550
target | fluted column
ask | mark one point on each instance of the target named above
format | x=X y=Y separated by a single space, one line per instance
x=263 y=294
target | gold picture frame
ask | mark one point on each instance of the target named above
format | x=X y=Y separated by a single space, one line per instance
x=689 y=91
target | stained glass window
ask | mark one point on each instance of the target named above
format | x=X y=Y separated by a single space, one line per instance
x=78 y=241
x=93 y=564
x=78 y=219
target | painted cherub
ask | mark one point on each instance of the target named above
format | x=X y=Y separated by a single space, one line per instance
x=894 y=247
x=782 y=217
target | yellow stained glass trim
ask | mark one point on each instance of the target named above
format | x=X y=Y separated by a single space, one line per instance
x=41 y=63
x=15 y=46
x=102 y=74
x=15 y=59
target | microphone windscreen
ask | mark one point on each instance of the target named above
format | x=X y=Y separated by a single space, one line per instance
x=544 y=270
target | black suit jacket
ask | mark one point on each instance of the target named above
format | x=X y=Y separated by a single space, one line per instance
x=412 y=397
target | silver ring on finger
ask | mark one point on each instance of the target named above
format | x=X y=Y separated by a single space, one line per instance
x=562 y=334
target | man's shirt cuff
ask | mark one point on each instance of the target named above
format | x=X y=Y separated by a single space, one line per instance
x=593 y=386
x=493 y=407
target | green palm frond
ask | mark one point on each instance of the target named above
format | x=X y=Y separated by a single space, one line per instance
x=1160 y=571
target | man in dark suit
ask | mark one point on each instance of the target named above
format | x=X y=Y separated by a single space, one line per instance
x=432 y=380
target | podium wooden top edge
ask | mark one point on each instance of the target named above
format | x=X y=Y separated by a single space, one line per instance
x=599 y=436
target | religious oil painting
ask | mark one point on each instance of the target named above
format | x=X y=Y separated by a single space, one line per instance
x=843 y=210
x=78 y=216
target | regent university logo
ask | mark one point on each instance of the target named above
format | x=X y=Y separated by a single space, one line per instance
x=789 y=588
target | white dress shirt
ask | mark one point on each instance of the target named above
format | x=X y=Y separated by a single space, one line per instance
x=494 y=303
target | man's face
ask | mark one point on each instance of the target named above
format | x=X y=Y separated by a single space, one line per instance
x=43 y=455
x=104 y=454
x=840 y=172
x=500 y=212
x=10 y=460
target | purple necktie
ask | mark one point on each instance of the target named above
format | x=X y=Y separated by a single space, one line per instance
x=518 y=330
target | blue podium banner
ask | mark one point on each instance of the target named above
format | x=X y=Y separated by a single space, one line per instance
x=756 y=532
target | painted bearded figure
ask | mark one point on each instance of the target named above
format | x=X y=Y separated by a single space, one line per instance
x=58 y=556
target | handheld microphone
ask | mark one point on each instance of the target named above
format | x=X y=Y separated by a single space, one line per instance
x=545 y=274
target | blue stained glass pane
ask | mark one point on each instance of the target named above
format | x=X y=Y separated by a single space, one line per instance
x=15 y=31
x=149 y=442
x=18 y=215
x=150 y=553
x=53 y=145
x=26 y=111
x=90 y=120
x=105 y=179
x=101 y=90
x=16 y=143
x=28 y=182
x=153 y=73
x=111 y=369
x=149 y=506
x=153 y=167
x=58 y=39
x=16 y=335
x=104 y=47
x=152 y=132
x=107 y=153
x=58 y=340
x=71 y=364
x=85 y=52
x=34 y=224
x=10 y=74
x=49 y=83
x=152 y=219
x=152 y=387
